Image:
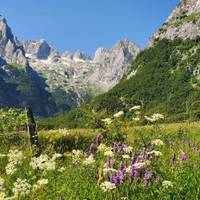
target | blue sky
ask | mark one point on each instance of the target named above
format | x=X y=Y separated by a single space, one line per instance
x=86 y=24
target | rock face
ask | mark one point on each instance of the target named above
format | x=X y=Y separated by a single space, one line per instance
x=184 y=22
x=113 y=63
x=77 y=71
x=10 y=49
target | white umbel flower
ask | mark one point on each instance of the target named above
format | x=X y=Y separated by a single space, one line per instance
x=89 y=161
x=157 y=142
x=107 y=186
x=118 y=114
x=135 y=108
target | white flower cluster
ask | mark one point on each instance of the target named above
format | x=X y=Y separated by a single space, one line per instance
x=118 y=114
x=167 y=184
x=44 y=162
x=77 y=153
x=40 y=183
x=107 y=151
x=137 y=107
x=155 y=117
x=107 y=186
x=14 y=158
x=107 y=170
x=126 y=156
x=60 y=132
x=155 y=153
x=89 y=160
x=157 y=142
x=107 y=120
x=21 y=188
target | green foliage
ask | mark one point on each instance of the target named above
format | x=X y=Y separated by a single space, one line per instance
x=63 y=140
x=12 y=119
x=163 y=84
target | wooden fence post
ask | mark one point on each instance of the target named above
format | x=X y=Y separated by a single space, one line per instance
x=31 y=126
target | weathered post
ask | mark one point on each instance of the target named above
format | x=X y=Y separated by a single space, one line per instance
x=31 y=126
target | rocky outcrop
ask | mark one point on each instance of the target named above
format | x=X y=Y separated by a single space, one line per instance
x=10 y=49
x=113 y=63
x=184 y=22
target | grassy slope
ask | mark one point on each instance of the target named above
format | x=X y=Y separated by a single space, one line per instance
x=164 y=83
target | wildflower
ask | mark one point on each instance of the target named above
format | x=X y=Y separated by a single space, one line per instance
x=42 y=182
x=139 y=165
x=107 y=170
x=10 y=168
x=99 y=139
x=89 y=161
x=128 y=149
x=135 y=108
x=21 y=188
x=148 y=175
x=167 y=184
x=56 y=155
x=132 y=173
x=107 y=186
x=90 y=148
x=14 y=158
x=107 y=120
x=62 y=169
x=77 y=153
x=126 y=156
x=136 y=119
x=156 y=153
x=103 y=148
x=183 y=156
x=119 y=114
x=109 y=153
x=157 y=142
x=155 y=117
x=43 y=162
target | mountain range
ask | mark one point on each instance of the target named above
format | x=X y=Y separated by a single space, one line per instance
x=164 y=77
x=34 y=73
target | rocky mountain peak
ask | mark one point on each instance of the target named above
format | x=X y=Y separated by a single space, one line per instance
x=184 y=22
x=10 y=49
x=78 y=55
x=39 y=49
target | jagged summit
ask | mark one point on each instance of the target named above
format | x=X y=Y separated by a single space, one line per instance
x=10 y=50
x=184 y=22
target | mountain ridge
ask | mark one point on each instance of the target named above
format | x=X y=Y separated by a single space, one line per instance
x=70 y=78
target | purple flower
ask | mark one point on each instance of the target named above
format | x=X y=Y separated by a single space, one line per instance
x=148 y=175
x=99 y=139
x=132 y=159
x=90 y=149
x=132 y=174
x=183 y=156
